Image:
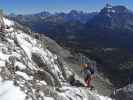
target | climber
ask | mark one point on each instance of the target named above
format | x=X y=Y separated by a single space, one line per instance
x=89 y=74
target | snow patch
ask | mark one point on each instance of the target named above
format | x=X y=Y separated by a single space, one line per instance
x=8 y=22
x=3 y=56
x=48 y=98
x=20 y=65
x=24 y=75
x=25 y=46
x=2 y=63
x=104 y=98
x=10 y=92
x=43 y=82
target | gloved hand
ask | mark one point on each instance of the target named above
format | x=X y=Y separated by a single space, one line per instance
x=93 y=77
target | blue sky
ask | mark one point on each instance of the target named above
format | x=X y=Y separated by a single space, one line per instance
x=33 y=6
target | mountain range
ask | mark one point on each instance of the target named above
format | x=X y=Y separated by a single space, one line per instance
x=111 y=27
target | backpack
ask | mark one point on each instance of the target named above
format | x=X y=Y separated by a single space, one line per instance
x=92 y=70
x=86 y=72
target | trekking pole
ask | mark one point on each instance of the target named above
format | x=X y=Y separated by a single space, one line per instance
x=84 y=59
x=80 y=60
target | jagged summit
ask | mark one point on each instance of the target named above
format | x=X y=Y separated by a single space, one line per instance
x=114 y=9
x=114 y=17
x=108 y=10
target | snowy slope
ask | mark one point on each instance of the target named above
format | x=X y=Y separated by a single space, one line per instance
x=10 y=92
x=29 y=71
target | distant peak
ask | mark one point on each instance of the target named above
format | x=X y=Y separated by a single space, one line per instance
x=73 y=12
x=109 y=10
x=108 y=6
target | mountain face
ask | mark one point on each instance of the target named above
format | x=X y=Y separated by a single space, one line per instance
x=112 y=27
x=112 y=17
x=31 y=71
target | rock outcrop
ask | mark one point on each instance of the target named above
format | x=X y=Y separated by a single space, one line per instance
x=125 y=93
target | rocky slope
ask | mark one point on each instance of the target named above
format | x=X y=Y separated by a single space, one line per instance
x=30 y=71
x=125 y=93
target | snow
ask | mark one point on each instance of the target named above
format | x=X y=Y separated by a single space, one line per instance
x=2 y=63
x=48 y=58
x=72 y=94
x=3 y=56
x=9 y=30
x=24 y=75
x=20 y=65
x=48 y=98
x=113 y=11
x=39 y=51
x=104 y=98
x=17 y=55
x=26 y=46
x=95 y=94
x=43 y=82
x=10 y=92
x=8 y=22
x=78 y=93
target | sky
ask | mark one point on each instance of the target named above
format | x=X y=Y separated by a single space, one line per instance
x=34 y=6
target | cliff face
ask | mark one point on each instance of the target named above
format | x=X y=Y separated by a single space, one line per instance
x=31 y=71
